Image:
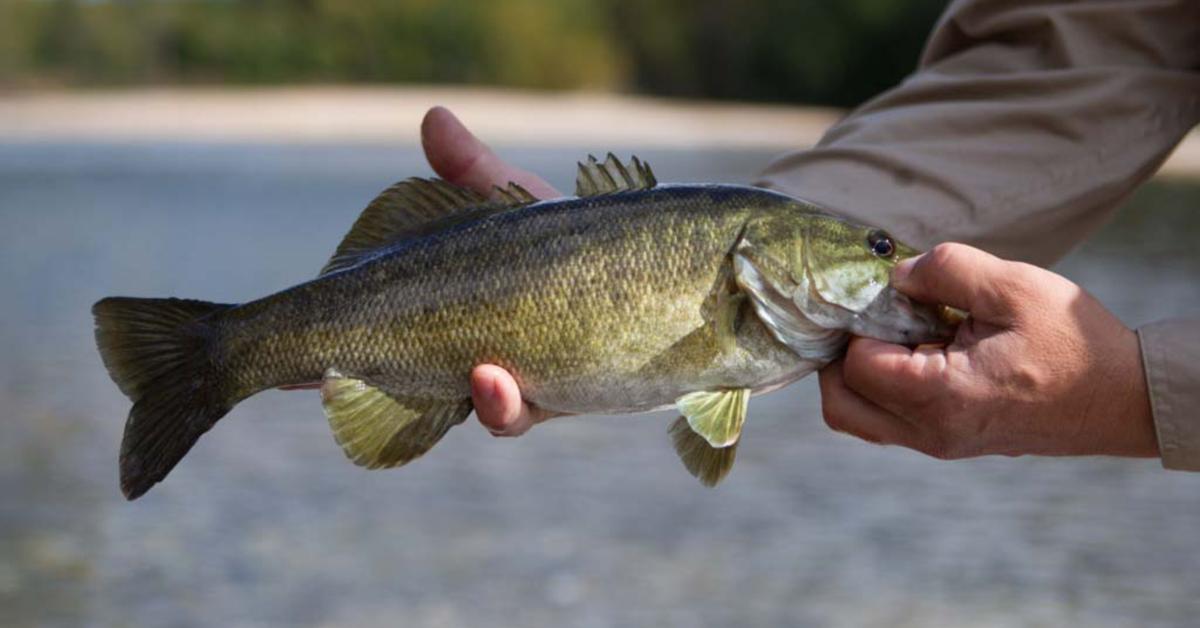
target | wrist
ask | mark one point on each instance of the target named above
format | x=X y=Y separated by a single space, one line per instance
x=1127 y=409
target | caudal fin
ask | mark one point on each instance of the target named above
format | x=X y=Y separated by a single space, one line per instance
x=158 y=353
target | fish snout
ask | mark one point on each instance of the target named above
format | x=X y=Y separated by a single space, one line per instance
x=912 y=323
x=895 y=318
x=934 y=323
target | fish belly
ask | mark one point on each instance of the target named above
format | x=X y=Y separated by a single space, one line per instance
x=758 y=362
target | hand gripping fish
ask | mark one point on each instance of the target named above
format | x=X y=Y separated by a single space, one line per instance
x=628 y=297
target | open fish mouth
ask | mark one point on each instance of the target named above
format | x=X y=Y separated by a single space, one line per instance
x=894 y=317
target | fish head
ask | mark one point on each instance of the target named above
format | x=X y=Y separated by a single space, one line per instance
x=847 y=269
x=811 y=273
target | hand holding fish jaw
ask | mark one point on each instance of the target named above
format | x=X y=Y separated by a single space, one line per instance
x=457 y=156
x=1040 y=367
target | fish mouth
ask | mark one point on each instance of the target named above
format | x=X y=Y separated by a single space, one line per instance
x=894 y=317
x=814 y=325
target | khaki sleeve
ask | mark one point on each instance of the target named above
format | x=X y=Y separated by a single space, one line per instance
x=1025 y=126
x=1171 y=357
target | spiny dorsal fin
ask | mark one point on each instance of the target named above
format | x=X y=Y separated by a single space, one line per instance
x=717 y=415
x=513 y=195
x=412 y=208
x=379 y=431
x=597 y=178
x=706 y=463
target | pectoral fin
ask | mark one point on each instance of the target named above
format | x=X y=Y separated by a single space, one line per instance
x=716 y=415
x=377 y=430
x=706 y=463
x=727 y=309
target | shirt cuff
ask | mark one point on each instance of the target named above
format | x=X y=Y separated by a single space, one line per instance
x=1171 y=359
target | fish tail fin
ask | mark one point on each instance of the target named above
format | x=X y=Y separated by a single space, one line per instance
x=158 y=353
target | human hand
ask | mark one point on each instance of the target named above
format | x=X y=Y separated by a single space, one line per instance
x=1040 y=367
x=457 y=156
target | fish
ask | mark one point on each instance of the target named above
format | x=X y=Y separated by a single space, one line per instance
x=628 y=297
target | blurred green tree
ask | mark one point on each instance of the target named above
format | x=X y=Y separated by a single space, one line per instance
x=834 y=52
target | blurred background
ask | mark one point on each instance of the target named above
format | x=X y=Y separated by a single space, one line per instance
x=220 y=149
x=836 y=53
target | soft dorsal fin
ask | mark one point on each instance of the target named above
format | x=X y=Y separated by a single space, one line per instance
x=377 y=430
x=597 y=178
x=412 y=208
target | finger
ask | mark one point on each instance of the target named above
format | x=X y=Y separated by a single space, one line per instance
x=848 y=412
x=966 y=278
x=457 y=156
x=894 y=377
x=498 y=403
x=883 y=372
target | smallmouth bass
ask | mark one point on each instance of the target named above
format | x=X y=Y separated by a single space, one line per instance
x=629 y=297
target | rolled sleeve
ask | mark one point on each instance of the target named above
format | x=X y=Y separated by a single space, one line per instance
x=1026 y=125
x=1171 y=358
x=1024 y=128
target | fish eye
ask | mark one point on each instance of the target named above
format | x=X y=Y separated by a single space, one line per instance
x=881 y=243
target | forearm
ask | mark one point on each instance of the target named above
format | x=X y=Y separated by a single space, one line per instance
x=1026 y=125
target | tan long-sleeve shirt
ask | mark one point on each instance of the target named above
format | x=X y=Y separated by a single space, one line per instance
x=1025 y=126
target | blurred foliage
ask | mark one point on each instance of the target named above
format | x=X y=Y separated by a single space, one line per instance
x=834 y=52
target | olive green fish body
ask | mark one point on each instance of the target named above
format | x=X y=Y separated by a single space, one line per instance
x=629 y=297
x=594 y=305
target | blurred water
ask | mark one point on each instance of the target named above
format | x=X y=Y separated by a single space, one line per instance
x=583 y=522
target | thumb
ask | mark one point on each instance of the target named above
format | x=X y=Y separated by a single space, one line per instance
x=964 y=277
x=457 y=156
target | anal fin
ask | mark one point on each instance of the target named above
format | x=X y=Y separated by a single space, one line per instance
x=377 y=430
x=706 y=463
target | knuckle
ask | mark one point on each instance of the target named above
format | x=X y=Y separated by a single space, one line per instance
x=834 y=415
x=1021 y=272
x=913 y=374
x=1018 y=282
x=1028 y=377
x=945 y=255
x=835 y=410
x=853 y=373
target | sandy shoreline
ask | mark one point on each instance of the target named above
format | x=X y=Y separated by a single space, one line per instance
x=391 y=115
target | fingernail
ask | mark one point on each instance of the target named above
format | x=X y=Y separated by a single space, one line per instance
x=903 y=269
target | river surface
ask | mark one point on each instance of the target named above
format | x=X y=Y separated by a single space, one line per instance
x=582 y=522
